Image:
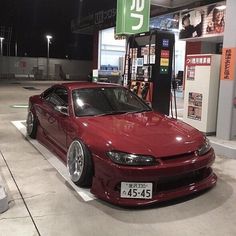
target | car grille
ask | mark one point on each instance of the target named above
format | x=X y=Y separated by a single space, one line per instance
x=179 y=158
x=178 y=181
x=174 y=182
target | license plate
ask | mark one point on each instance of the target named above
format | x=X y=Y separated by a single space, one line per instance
x=136 y=190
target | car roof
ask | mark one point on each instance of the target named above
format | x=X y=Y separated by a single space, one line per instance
x=80 y=85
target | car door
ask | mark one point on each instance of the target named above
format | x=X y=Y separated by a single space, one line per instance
x=43 y=108
x=56 y=121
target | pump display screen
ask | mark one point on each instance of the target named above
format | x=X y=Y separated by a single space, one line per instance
x=144 y=40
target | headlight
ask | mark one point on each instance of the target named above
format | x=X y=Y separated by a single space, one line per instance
x=131 y=159
x=204 y=148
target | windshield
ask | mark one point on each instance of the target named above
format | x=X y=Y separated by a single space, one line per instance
x=106 y=101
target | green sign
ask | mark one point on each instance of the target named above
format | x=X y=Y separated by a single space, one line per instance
x=132 y=16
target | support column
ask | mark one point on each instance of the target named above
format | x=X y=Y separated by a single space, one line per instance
x=95 y=49
x=226 y=123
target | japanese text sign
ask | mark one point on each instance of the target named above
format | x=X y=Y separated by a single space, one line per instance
x=228 y=63
x=132 y=16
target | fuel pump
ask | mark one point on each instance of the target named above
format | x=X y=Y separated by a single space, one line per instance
x=148 y=68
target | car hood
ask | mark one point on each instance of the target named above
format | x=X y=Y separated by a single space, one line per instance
x=146 y=133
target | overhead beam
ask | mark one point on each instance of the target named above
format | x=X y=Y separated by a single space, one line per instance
x=172 y=4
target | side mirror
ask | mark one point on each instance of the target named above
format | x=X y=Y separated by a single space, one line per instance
x=148 y=103
x=62 y=109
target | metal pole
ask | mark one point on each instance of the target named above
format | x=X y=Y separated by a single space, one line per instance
x=48 y=59
x=1 y=47
x=16 y=49
x=48 y=47
x=1 y=40
x=49 y=37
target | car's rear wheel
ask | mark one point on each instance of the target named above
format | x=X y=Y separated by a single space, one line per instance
x=31 y=125
x=79 y=164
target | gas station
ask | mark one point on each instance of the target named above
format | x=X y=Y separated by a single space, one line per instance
x=179 y=58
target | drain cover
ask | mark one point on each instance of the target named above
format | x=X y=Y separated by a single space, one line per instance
x=15 y=83
x=31 y=88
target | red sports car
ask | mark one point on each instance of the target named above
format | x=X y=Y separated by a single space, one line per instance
x=114 y=142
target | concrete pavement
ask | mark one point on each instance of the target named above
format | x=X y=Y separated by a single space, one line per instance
x=42 y=203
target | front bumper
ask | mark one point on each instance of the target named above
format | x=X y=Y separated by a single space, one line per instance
x=173 y=178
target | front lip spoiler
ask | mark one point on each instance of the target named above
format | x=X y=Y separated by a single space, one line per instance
x=206 y=183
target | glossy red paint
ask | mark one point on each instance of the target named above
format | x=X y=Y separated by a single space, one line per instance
x=179 y=171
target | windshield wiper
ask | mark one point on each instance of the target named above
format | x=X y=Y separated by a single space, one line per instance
x=113 y=113
x=140 y=111
x=123 y=112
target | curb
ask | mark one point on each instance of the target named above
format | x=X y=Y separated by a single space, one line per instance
x=3 y=200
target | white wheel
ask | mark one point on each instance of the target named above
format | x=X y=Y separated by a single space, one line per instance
x=31 y=125
x=79 y=164
x=75 y=161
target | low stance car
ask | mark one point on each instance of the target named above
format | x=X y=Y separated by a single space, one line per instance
x=113 y=142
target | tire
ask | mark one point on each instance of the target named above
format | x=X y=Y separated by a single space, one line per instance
x=31 y=125
x=79 y=164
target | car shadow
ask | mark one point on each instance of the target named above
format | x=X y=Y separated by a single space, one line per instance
x=174 y=210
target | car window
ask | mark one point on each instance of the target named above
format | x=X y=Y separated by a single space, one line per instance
x=55 y=100
x=59 y=97
x=124 y=96
x=62 y=94
x=104 y=101
x=47 y=94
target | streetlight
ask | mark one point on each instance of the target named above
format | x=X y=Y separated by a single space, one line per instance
x=49 y=37
x=1 y=41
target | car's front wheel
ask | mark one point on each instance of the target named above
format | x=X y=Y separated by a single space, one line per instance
x=79 y=164
x=31 y=125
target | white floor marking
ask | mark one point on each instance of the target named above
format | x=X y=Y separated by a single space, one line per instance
x=54 y=161
x=20 y=106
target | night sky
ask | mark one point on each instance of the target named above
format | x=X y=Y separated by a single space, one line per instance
x=31 y=20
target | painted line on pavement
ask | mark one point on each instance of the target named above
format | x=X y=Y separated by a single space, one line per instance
x=19 y=106
x=54 y=161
